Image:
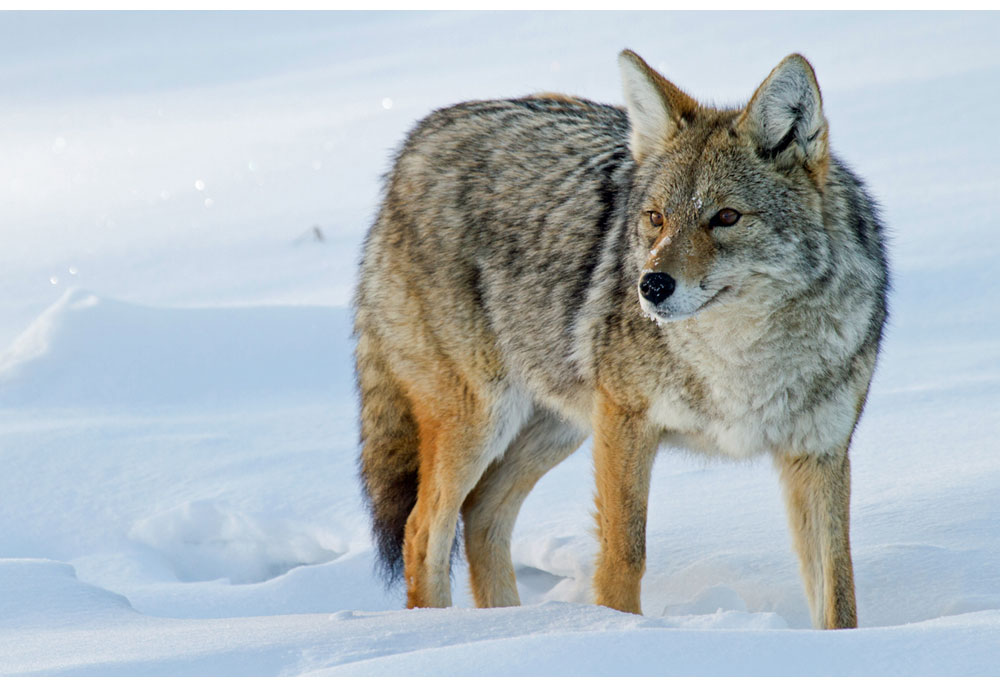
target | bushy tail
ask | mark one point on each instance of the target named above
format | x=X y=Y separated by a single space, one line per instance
x=389 y=458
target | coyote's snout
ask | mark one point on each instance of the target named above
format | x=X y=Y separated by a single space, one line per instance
x=526 y=245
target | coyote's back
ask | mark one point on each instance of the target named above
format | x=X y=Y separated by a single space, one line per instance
x=548 y=267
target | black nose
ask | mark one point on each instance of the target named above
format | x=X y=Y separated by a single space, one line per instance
x=656 y=287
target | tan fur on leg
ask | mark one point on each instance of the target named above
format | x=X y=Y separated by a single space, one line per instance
x=818 y=495
x=491 y=509
x=451 y=462
x=624 y=448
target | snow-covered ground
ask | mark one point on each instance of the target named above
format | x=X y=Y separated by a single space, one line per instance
x=177 y=416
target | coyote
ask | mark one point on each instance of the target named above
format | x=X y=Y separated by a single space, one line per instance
x=548 y=267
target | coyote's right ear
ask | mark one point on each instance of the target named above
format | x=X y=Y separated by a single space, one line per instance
x=657 y=109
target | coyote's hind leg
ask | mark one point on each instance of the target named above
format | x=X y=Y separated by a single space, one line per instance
x=491 y=509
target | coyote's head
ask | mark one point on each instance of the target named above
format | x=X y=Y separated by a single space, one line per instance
x=726 y=204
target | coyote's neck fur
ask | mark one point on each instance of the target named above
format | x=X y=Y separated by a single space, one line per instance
x=766 y=370
x=761 y=371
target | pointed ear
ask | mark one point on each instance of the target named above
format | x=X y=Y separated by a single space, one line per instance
x=657 y=109
x=785 y=118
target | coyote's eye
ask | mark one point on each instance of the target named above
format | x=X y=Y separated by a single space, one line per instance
x=655 y=218
x=726 y=217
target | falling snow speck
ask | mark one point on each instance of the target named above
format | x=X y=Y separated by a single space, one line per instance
x=209 y=202
x=53 y=280
x=73 y=271
x=387 y=103
x=59 y=144
x=200 y=185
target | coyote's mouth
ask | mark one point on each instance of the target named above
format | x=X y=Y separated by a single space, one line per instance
x=712 y=300
x=660 y=316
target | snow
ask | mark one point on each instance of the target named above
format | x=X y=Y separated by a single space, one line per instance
x=182 y=203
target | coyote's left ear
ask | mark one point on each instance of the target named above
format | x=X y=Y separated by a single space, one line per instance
x=785 y=118
x=657 y=109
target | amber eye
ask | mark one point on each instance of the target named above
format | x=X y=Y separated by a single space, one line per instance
x=655 y=218
x=726 y=217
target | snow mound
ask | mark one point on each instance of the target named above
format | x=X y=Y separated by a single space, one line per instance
x=602 y=647
x=47 y=594
x=86 y=349
x=203 y=540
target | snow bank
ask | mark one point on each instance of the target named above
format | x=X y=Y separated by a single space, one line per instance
x=89 y=350
x=98 y=634
x=41 y=594
x=202 y=540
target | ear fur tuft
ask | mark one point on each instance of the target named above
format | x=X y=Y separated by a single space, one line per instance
x=785 y=117
x=657 y=109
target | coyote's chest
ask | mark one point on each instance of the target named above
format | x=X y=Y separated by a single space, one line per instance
x=781 y=393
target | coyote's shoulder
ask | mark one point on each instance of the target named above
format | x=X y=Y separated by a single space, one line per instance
x=546 y=267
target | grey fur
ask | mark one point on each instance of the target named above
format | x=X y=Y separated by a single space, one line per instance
x=513 y=234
